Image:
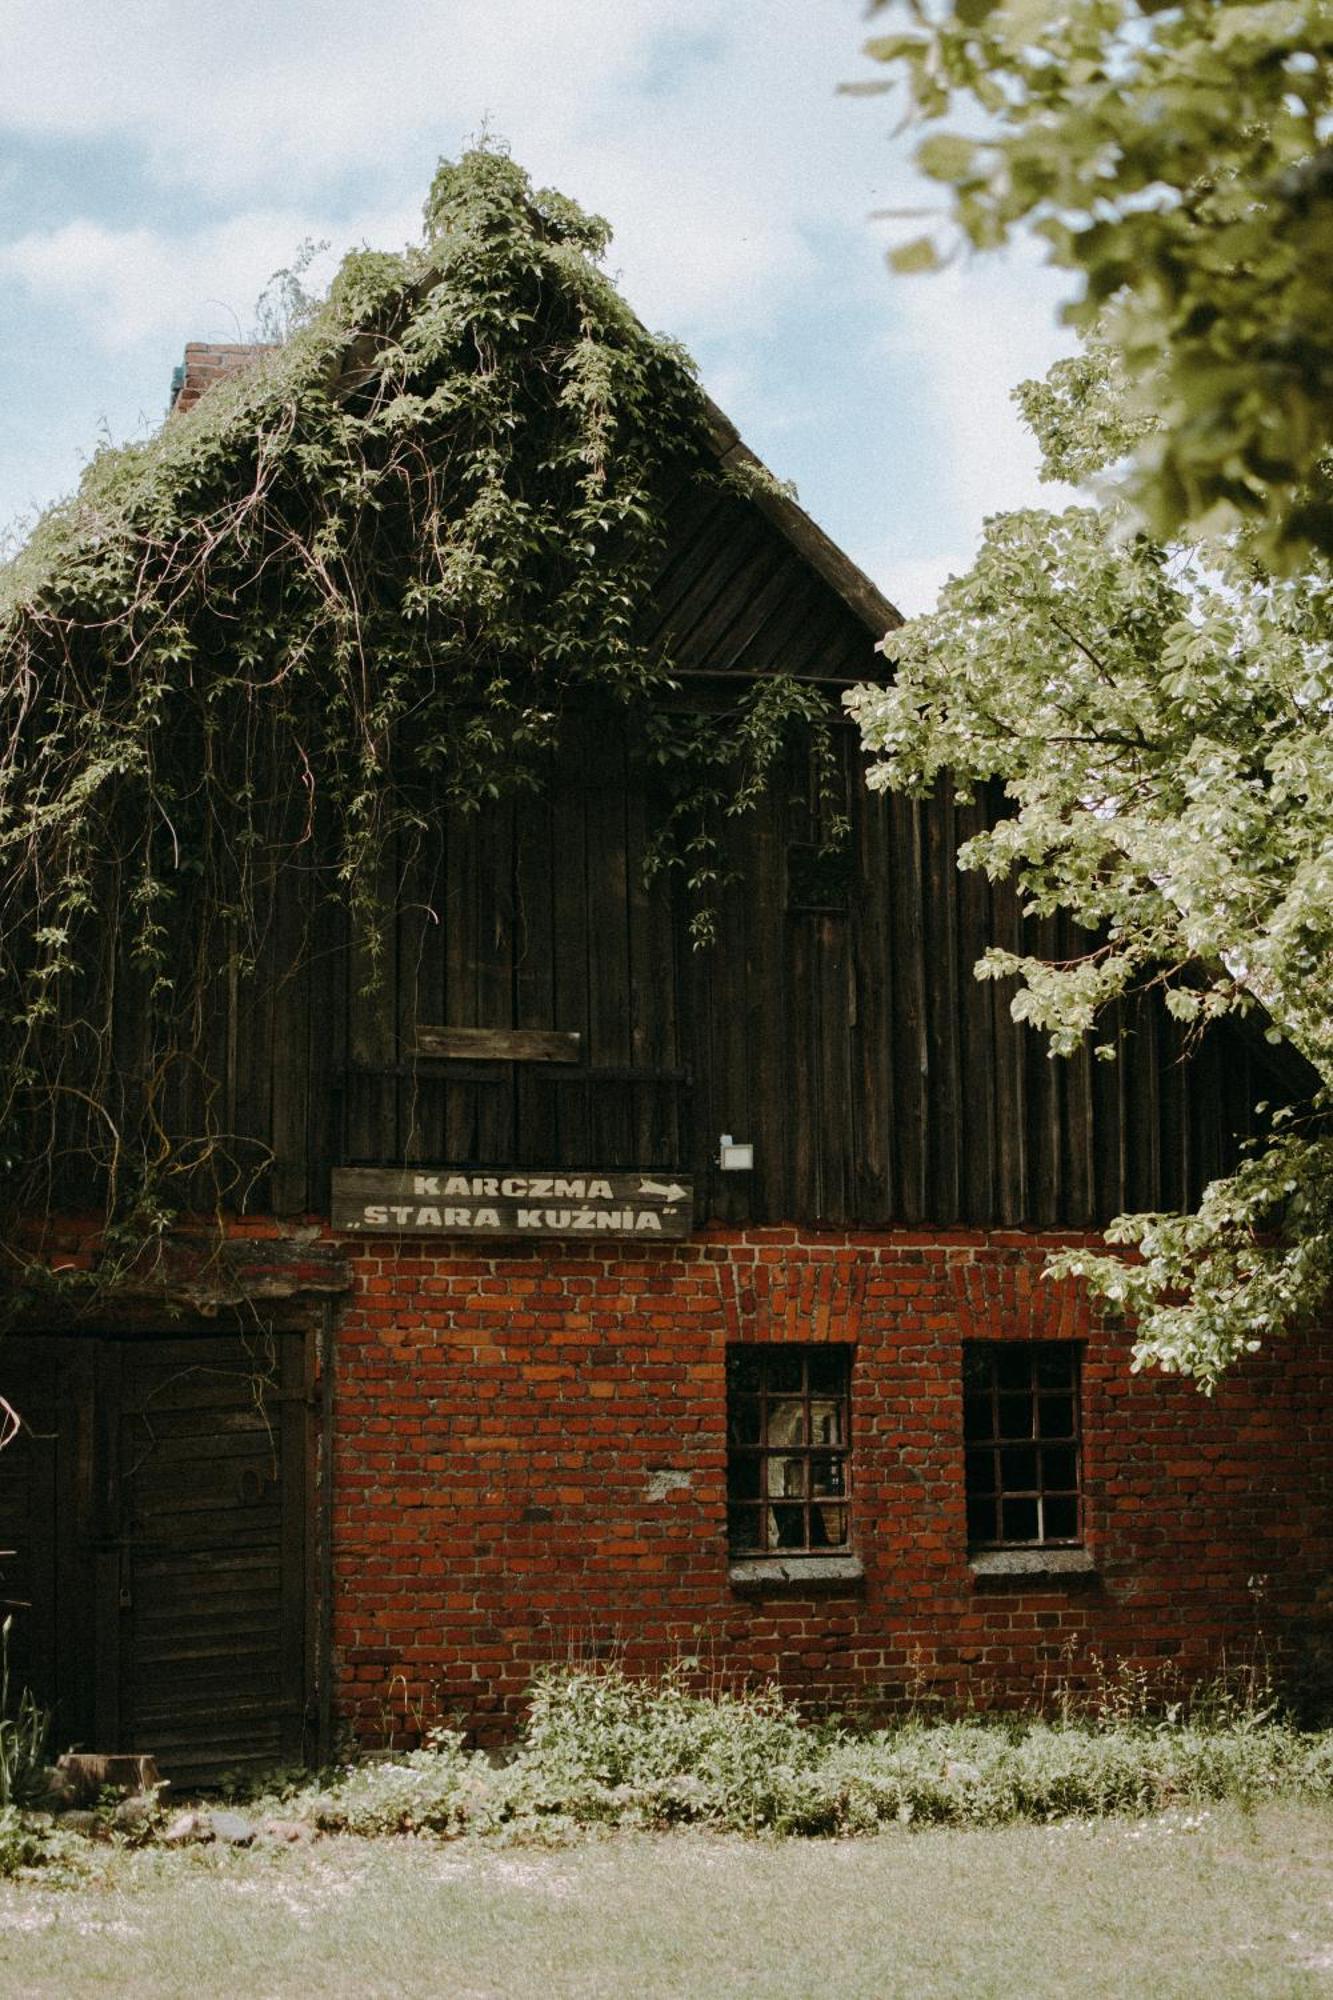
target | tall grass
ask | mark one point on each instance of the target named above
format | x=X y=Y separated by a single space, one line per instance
x=23 y=1737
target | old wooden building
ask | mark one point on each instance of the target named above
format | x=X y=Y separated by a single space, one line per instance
x=586 y=1292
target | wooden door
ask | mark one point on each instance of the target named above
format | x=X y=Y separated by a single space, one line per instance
x=162 y=1516
x=44 y=1578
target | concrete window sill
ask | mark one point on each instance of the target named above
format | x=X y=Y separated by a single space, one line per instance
x=797 y=1573
x=1032 y=1562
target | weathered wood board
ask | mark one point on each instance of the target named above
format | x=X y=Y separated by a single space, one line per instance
x=498 y=1044
x=450 y=1201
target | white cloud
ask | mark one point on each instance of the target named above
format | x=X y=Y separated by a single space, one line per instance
x=708 y=131
x=228 y=96
x=132 y=284
x=914 y=582
x=980 y=329
x=712 y=137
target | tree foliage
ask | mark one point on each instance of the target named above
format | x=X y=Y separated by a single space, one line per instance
x=1151 y=679
x=1159 y=722
x=352 y=590
x=1175 y=158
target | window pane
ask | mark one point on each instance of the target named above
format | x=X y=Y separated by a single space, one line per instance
x=743 y=1528
x=783 y=1369
x=828 y=1527
x=981 y=1471
x=826 y=1475
x=828 y=1371
x=978 y=1417
x=743 y=1478
x=826 y=1423
x=1059 y=1466
x=743 y=1420
x=980 y=1519
x=1055 y=1368
x=1018 y=1520
x=1018 y=1468
x=1015 y=1416
x=786 y=1422
x=1056 y=1416
x=788 y=1524
x=1061 y=1513
x=786 y=1478
x=976 y=1371
x=745 y=1368
x=1013 y=1368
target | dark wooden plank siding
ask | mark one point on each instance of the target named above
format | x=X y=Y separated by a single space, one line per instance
x=494 y=933
x=290 y=1052
x=874 y=1182
x=571 y=1007
x=941 y=951
x=978 y=1138
x=656 y=1136
x=729 y=977
x=609 y=1010
x=773 y=1038
x=536 y=1116
x=419 y=997
x=878 y=1081
x=909 y=1053
x=460 y=911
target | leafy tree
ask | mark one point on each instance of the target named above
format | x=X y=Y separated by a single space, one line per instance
x=1157 y=708
x=1175 y=158
x=1159 y=721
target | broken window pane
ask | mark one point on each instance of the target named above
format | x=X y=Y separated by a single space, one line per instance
x=786 y=1422
x=788 y=1437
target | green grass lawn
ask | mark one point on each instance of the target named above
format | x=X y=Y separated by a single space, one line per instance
x=1191 y=1903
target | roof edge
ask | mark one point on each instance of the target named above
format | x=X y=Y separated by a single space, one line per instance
x=851 y=583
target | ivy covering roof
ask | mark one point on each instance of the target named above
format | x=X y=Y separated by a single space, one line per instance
x=352 y=588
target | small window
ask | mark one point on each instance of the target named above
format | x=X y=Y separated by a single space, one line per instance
x=819 y=879
x=788 y=1441
x=1021 y=1431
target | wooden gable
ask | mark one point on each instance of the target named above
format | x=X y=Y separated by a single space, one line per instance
x=835 y=1023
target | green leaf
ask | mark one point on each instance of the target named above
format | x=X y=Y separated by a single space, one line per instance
x=946 y=157
x=918 y=255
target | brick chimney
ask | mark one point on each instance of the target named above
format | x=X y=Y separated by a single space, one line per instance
x=207 y=362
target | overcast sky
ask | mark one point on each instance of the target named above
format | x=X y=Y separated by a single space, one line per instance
x=159 y=161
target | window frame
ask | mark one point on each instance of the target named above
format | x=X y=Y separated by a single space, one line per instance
x=1007 y=1496
x=766 y=1362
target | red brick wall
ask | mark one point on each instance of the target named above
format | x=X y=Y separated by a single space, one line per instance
x=530 y=1466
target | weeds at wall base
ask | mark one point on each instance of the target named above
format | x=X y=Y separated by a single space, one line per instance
x=604 y=1752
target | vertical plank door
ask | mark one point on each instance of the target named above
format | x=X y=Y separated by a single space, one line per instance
x=212 y=1599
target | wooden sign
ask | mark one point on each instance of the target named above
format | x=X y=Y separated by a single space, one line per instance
x=502 y=1201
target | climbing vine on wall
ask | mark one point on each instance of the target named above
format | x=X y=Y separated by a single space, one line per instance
x=355 y=588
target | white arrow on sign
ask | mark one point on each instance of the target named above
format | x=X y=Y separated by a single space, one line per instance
x=672 y=1193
